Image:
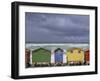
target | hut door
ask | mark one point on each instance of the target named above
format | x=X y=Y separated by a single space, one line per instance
x=58 y=56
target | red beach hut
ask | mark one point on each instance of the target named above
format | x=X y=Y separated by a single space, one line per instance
x=87 y=56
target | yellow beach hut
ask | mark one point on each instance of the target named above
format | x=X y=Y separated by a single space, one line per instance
x=75 y=56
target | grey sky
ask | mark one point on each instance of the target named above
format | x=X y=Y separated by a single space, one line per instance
x=47 y=27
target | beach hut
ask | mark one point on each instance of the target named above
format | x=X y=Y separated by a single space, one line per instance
x=75 y=56
x=27 y=57
x=41 y=57
x=87 y=56
x=58 y=56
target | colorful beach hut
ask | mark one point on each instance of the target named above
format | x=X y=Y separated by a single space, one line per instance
x=41 y=57
x=75 y=56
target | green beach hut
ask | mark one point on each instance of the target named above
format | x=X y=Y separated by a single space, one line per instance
x=41 y=57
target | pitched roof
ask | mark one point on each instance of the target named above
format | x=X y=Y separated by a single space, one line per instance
x=58 y=49
x=71 y=49
x=40 y=49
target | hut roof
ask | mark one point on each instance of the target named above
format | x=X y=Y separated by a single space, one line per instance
x=87 y=49
x=27 y=50
x=58 y=49
x=40 y=49
x=71 y=49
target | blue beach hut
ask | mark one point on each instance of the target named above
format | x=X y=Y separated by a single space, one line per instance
x=58 y=55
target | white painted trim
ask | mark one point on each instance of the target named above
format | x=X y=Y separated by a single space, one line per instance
x=64 y=56
x=31 y=56
x=52 y=56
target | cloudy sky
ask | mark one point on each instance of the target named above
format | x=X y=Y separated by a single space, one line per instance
x=46 y=27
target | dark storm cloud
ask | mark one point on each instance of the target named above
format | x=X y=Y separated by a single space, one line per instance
x=43 y=27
